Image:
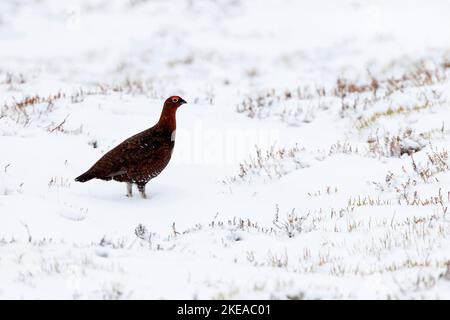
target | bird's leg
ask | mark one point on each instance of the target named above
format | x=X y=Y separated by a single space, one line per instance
x=129 y=190
x=141 y=188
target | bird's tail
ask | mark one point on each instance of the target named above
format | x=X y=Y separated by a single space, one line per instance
x=84 y=177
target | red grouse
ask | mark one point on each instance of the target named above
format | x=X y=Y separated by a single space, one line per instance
x=141 y=157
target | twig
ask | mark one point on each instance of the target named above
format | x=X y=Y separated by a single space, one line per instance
x=58 y=127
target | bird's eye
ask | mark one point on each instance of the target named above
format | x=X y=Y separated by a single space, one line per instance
x=174 y=100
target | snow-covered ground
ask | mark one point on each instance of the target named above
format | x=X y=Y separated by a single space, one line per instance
x=311 y=161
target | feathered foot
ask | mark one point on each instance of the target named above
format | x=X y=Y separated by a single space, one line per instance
x=129 y=190
x=141 y=189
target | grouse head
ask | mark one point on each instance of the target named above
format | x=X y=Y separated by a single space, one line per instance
x=174 y=102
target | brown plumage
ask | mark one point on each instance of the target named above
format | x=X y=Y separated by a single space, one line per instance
x=141 y=157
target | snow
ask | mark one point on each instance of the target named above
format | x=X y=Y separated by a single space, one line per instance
x=310 y=161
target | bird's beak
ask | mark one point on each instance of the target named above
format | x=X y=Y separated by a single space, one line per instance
x=182 y=101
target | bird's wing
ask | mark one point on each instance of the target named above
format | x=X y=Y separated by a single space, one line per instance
x=127 y=154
